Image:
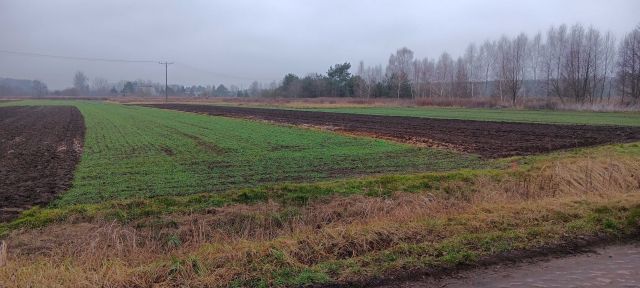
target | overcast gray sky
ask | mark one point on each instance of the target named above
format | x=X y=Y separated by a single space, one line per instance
x=263 y=40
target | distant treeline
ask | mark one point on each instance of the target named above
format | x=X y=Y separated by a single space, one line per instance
x=100 y=87
x=569 y=64
x=574 y=63
x=18 y=87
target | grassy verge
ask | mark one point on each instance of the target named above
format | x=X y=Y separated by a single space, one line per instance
x=460 y=182
x=346 y=231
x=136 y=208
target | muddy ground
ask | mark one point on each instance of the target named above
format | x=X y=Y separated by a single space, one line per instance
x=39 y=149
x=489 y=139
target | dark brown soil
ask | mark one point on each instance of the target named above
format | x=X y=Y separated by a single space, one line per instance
x=489 y=139
x=39 y=149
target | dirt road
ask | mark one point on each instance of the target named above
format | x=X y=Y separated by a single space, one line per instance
x=616 y=266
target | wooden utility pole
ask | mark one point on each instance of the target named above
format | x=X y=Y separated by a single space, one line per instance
x=166 y=84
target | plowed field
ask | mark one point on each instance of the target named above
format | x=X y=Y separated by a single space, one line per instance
x=489 y=139
x=39 y=149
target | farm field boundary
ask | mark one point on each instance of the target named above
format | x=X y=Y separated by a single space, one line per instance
x=489 y=139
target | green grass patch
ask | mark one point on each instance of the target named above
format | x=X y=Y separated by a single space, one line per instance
x=295 y=195
x=132 y=151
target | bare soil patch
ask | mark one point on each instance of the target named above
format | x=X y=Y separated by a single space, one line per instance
x=39 y=149
x=489 y=139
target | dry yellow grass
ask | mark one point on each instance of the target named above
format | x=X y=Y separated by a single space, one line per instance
x=240 y=243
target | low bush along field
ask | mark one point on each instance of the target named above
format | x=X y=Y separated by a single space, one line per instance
x=140 y=152
x=508 y=115
x=345 y=231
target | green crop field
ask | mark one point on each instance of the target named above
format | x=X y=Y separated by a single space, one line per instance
x=246 y=203
x=509 y=115
x=132 y=151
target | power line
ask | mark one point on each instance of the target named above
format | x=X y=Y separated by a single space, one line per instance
x=223 y=75
x=114 y=60
x=76 y=58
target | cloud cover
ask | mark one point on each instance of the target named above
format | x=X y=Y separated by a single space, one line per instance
x=235 y=42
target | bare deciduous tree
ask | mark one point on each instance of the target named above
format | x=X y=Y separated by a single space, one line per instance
x=534 y=62
x=487 y=59
x=473 y=67
x=629 y=66
x=399 y=69
x=444 y=75
x=577 y=64
x=461 y=84
x=80 y=82
x=516 y=66
x=254 y=89
x=100 y=86
x=39 y=88
x=608 y=67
